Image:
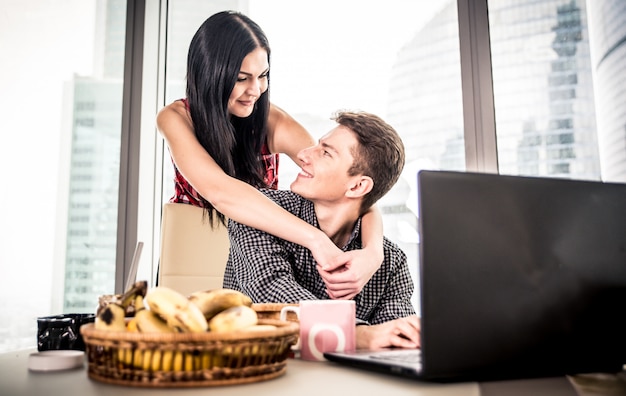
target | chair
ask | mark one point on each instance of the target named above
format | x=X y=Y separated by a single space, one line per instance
x=193 y=254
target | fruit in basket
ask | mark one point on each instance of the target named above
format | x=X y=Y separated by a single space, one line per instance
x=131 y=300
x=125 y=356
x=146 y=363
x=232 y=319
x=131 y=325
x=111 y=318
x=146 y=321
x=176 y=309
x=212 y=302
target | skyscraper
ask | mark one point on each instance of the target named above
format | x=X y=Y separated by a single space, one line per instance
x=607 y=35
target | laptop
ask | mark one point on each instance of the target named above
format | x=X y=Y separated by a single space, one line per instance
x=521 y=277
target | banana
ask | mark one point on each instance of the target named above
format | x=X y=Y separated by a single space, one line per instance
x=155 y=364
x=168 y=360
x=212 y=302
x=232 y=319
x=176 y=309
x=146 y=321
x=147 y=360
x=137 y=289
x=111 y=318
x=138 y=303
x=138 y=358
x=131 y=325
x=206 y=361
x=125 y=356
x=188 y=359
x=131 y=300
x=178 y=361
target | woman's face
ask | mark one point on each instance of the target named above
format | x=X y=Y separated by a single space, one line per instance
x=251 y=83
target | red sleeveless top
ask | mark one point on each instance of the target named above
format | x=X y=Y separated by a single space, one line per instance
x=185 y=193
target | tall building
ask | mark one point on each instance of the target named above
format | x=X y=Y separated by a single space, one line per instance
x=558 y=133
x=607 y=35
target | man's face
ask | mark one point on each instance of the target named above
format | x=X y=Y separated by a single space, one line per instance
x=324 y=174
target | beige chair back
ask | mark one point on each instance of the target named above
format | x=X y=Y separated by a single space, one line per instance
x=193 y=254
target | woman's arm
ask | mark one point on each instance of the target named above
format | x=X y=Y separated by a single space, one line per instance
x=346 y=275
x=286 y=135
x=234 y=198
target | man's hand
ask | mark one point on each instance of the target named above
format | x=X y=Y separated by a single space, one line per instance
x=400 y=333
x=347 y=273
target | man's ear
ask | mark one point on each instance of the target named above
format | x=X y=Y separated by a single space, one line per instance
x=361 y=186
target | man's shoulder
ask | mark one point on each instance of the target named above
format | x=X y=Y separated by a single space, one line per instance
x=289 y=200
x=279 y=194
x=391 y=249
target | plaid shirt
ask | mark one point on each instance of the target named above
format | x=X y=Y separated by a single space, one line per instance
x=269 y=269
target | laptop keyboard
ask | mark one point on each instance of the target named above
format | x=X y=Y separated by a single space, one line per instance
x=400 y=356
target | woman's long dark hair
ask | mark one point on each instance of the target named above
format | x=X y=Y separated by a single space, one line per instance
x=213 y=64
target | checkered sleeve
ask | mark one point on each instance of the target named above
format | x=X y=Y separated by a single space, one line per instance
x=387 y=296
x=261 y=266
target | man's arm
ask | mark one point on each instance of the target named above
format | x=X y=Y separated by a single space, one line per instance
x=395 y=279
x=399 y=333
x=393 y=322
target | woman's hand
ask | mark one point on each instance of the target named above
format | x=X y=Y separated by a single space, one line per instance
x=324 y=251
x=346 y=274
x=400 y=333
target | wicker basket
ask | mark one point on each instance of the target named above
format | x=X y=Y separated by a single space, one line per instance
x=272 y=311
x=188 y=359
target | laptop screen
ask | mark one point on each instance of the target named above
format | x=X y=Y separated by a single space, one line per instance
x=521 y=276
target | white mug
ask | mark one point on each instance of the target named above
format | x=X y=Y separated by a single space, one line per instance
x=325 y=326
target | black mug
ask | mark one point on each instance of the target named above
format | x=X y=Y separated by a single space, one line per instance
x=61 y=331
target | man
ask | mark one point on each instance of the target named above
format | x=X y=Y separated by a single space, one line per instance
x=342 y=176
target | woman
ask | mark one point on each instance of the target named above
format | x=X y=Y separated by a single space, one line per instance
x=217 y=134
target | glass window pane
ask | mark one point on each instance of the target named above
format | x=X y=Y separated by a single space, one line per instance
x=398 y=59
x=61 y=88
x=559 y=87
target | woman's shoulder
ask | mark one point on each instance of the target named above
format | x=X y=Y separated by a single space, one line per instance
x=175 y=112
x=177 y=107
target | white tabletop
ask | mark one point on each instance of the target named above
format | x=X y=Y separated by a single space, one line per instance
x=302 y=378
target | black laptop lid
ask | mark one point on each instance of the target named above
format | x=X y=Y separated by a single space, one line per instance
x=521 y=276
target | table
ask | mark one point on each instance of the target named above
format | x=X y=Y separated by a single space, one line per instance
x=302 y=378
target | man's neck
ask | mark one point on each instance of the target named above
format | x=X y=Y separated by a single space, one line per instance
x=337 y=221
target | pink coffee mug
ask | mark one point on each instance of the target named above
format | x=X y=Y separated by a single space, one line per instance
x=325 y=326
